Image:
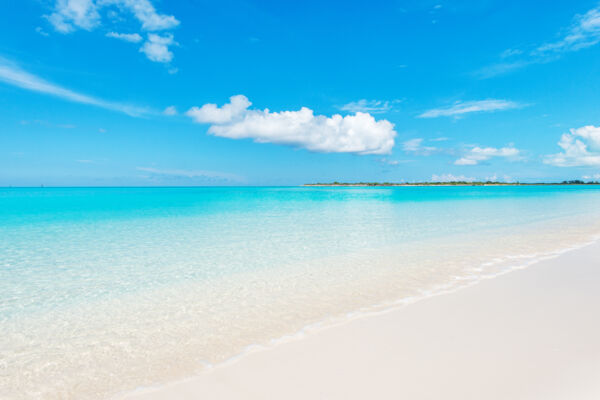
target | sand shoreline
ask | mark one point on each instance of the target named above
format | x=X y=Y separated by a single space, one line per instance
x=391 y=355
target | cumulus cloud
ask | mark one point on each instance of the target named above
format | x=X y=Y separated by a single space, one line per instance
x=581 y=147
x=156 y=48
x=70 y=15
x=451 y=178
x=460 y=108
x=213 y=114
x=359 y=133
x=367 y=106
x=127 y=37
x=13 y=75
x=584 y=32
x=479 y=154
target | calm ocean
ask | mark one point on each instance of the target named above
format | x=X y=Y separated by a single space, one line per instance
x=104 y=290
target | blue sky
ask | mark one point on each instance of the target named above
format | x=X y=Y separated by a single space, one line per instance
x=149 y=92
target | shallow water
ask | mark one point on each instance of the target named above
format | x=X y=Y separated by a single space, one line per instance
x=103 y=290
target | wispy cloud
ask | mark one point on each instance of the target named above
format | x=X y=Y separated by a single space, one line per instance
x=510 y=53
x=461 y=108
x=580 y=148
x=367 y=106
x=478 y=154
x=359 y=134
x=417 y=147
x=127 y=37
x=191 y=174
x=13 y=75
x=171 y=110
x=387 y=161
x=502 y=68
x=41 y=31
x=584 y=32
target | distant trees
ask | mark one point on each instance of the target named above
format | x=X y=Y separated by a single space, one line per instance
x=580 y=182
x=455 y=183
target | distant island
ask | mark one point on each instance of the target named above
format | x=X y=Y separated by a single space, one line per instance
x=454 y=183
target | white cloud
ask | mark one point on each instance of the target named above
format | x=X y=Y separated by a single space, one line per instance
x=145 y=12
x=171 y=110
x=70 y=15
x=412 y=144
x=594 y=177
x=479 y=154
x=359 y=133
x=584 y=32
x=451 y=178
x=15 y=76
x=213 y=114
x=127 y=37
x=460 y=108
x=416 y=146
x=156 y=48
x=581 y=147
x=367 y=106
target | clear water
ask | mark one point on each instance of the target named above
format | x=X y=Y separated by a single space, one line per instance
x=103 y=290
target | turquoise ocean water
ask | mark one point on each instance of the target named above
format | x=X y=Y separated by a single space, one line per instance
x=104 y=290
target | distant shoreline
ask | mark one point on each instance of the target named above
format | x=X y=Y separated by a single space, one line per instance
x=385 y=184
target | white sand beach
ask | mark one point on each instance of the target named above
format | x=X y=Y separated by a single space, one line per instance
x=530 y=334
